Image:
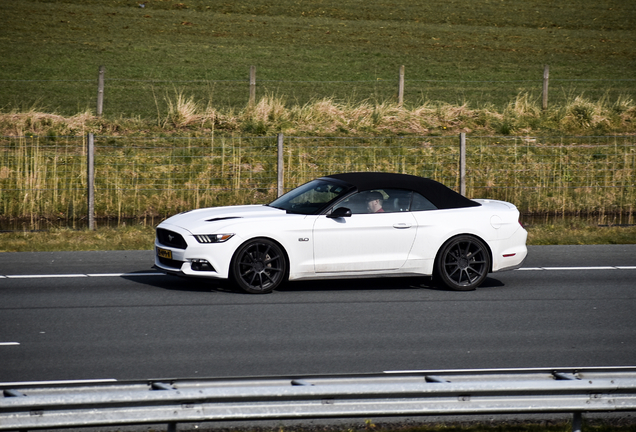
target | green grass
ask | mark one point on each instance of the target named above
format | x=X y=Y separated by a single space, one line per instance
x=138 y=237
x=577 y=232
x=345 y=49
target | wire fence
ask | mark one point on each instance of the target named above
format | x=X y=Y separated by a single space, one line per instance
x=144 y=98
x=46 y=177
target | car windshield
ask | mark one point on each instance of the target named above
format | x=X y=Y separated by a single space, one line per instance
x=312 y=197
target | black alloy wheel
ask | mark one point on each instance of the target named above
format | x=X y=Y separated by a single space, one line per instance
x=463 y=263
x=259 y=266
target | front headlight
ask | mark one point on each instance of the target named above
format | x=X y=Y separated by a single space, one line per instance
x=213 y=238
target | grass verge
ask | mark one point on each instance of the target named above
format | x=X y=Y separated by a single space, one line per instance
x=579 y=233
x=545 y=426
x=592 y=425
x=65 y=239
x=141 y=237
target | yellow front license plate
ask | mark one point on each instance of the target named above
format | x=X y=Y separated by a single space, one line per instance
x=164 y=253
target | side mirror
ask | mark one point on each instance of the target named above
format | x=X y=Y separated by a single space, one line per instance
x=339 y=212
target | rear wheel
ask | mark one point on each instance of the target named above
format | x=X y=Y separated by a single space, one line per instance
x=259 y=266
x=463 y=263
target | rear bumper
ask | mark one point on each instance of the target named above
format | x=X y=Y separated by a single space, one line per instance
x=511 y=252
x=513 y=267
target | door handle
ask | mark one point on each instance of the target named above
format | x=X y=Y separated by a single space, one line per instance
x=401 y=225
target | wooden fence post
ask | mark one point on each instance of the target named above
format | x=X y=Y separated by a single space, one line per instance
x=462 y=163
x=100 y=91
x=252 y=85
x=546 y=76
x=401 y=87
x=281 y=167
x=90 y=180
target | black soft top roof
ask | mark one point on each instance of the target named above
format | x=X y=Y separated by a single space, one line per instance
x=441 y=196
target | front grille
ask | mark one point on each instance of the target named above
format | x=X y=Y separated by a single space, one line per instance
x=171 y=238
x=170 y=263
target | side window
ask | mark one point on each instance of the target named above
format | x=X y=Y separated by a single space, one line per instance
x=420 y=203
x=378 y=201
x=397 y=200
x=355 y=203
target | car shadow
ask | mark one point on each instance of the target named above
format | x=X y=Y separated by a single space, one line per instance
x=177 y=283
x=377 y=284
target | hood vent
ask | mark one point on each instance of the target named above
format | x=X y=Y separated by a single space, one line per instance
x=222 y=218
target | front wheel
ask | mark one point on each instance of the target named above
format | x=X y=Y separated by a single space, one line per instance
x=259 y=266
x=463 y=263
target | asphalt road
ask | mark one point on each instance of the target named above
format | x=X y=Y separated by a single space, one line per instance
x=570 y=306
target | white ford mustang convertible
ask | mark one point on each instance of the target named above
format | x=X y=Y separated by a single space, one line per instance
x=349 y=225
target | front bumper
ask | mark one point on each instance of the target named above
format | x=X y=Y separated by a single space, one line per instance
x=193 y=258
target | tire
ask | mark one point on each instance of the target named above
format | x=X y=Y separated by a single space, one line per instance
x=259 y=266
x=463 y=263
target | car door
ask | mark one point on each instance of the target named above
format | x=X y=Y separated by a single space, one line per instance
x=363 y=242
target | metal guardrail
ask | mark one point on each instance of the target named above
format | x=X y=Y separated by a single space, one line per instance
x=415 y=393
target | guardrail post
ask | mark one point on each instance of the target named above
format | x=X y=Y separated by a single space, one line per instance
x=161 y=386
x=90 y=180
x=577 y=422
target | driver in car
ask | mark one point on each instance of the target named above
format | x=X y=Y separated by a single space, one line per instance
x=374 y=202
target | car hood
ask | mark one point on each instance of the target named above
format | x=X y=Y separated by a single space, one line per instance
x=201 y=221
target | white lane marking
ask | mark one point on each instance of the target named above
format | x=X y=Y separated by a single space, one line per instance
x=31 y=383
x=45 y=276
x=123 y=274
x=581 y=268
x=9 y=343
x=578 y=268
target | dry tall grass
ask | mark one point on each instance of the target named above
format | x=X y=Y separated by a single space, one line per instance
x=328 y=117
x=150 y=177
